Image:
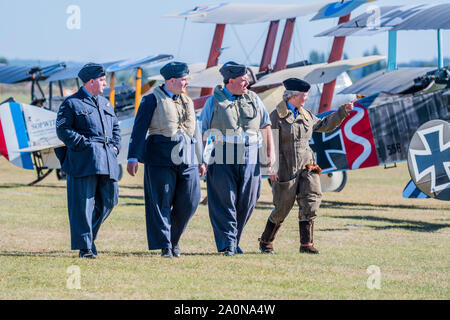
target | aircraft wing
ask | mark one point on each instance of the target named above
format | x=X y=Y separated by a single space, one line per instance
x=130 y=64
x=209 y=78
x=433 y=17
x=386 y=18
x=112 y=66
x=317 y=73
x=338 y=9
x=42 y=147
x=244 y=13
x=10 y=74
x=72 y=72
x=193 y=68
x=395 y=81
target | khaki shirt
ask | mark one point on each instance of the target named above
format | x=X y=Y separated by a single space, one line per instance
x=295 y=134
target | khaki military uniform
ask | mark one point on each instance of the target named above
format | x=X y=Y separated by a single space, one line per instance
x=295 y=182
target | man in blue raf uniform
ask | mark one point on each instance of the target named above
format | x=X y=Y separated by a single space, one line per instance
x=236 y=120
x=88 y=126
x=167 y=140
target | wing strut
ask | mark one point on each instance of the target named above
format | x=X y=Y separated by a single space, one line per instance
x=137 y=97
x=266 y=58
x=112 y=90
x=285 y=44
x=439 y=45
x=336 y=54
x=214 y=54
x=392 y=51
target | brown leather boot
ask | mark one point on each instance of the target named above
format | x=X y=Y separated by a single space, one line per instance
x=267 y=237
x=306 y=237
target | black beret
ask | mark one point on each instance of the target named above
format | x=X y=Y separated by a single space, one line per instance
x=295 y=84
x=232 y=70
x=174 y=70
x=91 y=71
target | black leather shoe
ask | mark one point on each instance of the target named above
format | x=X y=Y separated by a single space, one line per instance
x=229 y=251
x=239 y=250
x=87 y=253
x=176 y=251
x=166 y=253
x=94 y=249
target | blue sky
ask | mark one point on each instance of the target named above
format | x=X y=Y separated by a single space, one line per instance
x=113 y=30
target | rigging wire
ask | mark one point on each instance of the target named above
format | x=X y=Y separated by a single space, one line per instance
x=247 y=55
x=181 y=38
x=297 y=36
x=241 y=44
x=257 y=42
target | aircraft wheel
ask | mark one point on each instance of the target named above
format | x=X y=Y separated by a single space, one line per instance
x=333 y=181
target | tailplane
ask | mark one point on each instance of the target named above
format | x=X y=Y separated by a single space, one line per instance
x=22 y=127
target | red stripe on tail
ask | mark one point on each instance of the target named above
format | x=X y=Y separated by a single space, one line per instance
x=3 y=149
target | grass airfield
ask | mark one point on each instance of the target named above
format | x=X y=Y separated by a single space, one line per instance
x=374 y=245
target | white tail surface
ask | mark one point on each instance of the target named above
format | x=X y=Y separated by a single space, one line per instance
x=23 y=129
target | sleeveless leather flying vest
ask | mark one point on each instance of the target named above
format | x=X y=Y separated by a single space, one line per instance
x=171 y=117
x=240 y=115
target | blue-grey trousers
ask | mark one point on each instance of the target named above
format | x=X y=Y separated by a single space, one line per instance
x=172 y=195
x=233 y=190
x=90 y=200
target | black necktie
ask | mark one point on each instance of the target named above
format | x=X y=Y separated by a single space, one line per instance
x=295 y=112
x=95 y=99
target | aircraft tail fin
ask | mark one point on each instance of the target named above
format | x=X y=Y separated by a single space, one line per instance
x=411 y=191
x=14 y=135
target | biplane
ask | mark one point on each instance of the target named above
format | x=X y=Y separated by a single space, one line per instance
x=241 y=13
x=29 y=140
x=380 y=128
x=266 y=79
x=405 y=113
x=28 y=132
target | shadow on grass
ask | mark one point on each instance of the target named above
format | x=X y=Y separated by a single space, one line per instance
x=12 y=186
x=334 y=229
x=19 y=185
x=132 y=187
x=264 y=205
x=130 y=204
x=74 y=253
x=411 y=225
x=52 y=254
x=368 y=206
x=48 y=186
x=158 y=253
x=131 y=197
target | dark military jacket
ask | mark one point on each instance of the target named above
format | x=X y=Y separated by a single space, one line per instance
x=295 y=134
x=156 y=150
x=90 y=132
